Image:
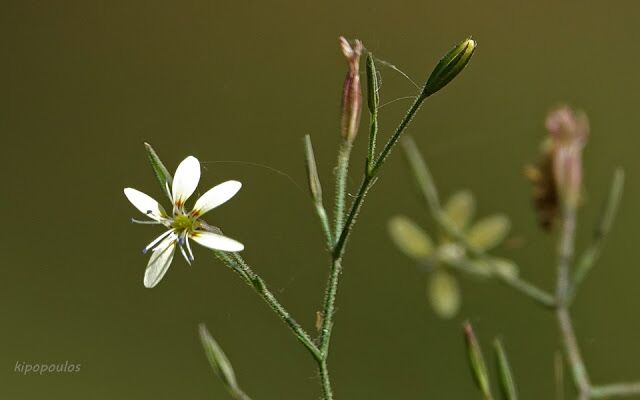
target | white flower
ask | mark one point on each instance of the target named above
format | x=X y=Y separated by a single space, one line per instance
x=183 y=225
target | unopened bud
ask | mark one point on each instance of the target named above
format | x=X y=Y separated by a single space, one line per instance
x=449 y=66
x=476 y=361
x=568 y=130
x=351 y=92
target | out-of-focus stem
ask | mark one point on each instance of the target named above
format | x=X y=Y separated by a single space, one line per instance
x=615 y=390
x=570 y=343
x=592 y=254
x=237 y=263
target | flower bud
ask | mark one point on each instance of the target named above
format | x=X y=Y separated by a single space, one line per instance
x=351 y=92
x=568 y=131
x=449 y=66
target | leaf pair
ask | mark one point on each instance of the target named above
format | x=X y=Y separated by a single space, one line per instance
x=479 y=368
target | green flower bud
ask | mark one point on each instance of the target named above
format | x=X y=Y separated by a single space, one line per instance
x=449 y=66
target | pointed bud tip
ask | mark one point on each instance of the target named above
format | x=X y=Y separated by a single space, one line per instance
x=449 y=66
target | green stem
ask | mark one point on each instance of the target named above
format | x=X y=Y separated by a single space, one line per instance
x=237 y=263
x=342 y=169
x=615 y=390
x=394 y=139
x=531 y=291
x=572 y=350
x=571 y=347
x=369 y=179
x=326 y=228
x=343 y=231
x=329 y=306
x=326 y=382
x=523 y=287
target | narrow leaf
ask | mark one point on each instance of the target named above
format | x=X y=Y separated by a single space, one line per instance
x=312 y=171
x=218 y=360
x=476 y=361
x=373 y=98
x=421 y=173
x=507 y=384
x=161 y=172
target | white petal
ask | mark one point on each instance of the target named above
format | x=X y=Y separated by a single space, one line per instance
x=185 y=180
x=157 y=240
x=216 y=242
x=145 y=203
x=216 y=196
x=159 y=262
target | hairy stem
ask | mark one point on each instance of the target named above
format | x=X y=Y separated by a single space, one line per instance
x=342 y=170
x=237 y=263
x=343 y=231
x=326 y=382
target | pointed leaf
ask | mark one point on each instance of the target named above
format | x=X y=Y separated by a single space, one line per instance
x=422 y=174
x=488 y=232
x=460 y=209
x=312 y=171
x=410 y=238
x=444 y=294
x=218 y=360
x=373 y=98
x=476 y=361
x=507 y=384
x=161 y=172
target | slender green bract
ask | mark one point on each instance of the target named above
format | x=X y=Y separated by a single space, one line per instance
x=373 y=99
x=476 y=362
x=507 y=384
x=161 y=172
x=315 y=188
x=220 y=363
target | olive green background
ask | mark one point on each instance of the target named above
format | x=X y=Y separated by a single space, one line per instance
x=84 y=83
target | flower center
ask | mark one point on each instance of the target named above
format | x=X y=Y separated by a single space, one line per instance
x=183 y=223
